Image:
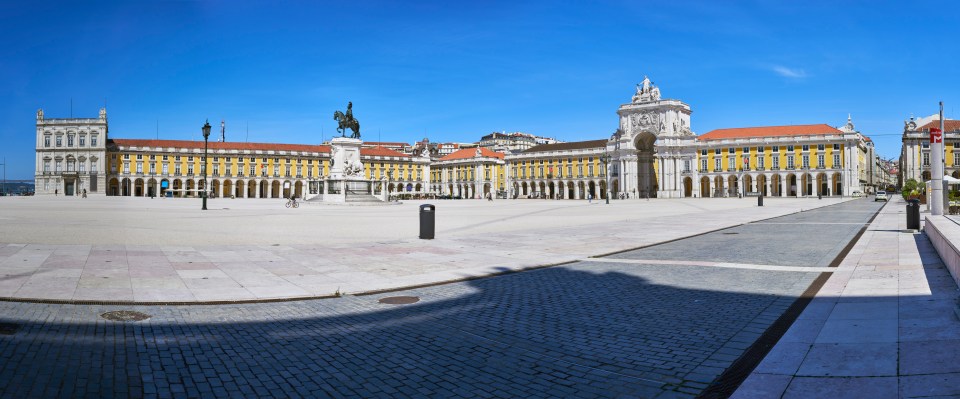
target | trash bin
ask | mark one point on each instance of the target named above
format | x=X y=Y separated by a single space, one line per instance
x=913 y=214
x=427 y=221
x=760 y=200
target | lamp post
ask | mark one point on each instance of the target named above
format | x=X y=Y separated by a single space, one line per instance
x=206 y=136
x=605 y=158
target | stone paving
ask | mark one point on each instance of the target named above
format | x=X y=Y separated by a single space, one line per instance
x=167 y=250
x=884 y=325
x=607 y=327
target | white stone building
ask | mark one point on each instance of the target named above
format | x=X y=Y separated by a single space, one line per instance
x=70 y=155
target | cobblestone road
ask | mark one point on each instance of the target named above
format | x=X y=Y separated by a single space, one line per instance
x=588 y=329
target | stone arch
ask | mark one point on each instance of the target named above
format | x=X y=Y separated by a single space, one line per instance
x=838 y=184
x=645 y=143
x=151 y=188
x=572 y=190
x=732 y=186
x=227 y=189
x=592 y=189
x=792 y=187
x=748 y=184
x=822 y=186
x=762 y=185
x=718 y=186
x=190 y=188
x=298 y=188
x=687 y=187
x=114 y=187
x=264 y=188
x=275 y=189
x=138 y=188
x=240 y=191
x=775 y=181
x=704 y=187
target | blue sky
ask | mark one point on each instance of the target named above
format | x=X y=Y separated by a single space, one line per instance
x=453 y=71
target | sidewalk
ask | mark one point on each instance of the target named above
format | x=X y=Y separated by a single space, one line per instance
x=883 y=326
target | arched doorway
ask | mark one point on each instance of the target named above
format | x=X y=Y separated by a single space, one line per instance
x=823 y=188
x=264 y=188
x=688 y=187
x=704 y=187
x=775 y=181
x=762 y=185
x=227 y=189
x=551 y=190
x=592 y=189
x=717 y=186
x=298 y=189
x=792 y=185
x=239 y=190
x=138 y=188
x=732 y=186
x=603 y=189
x=190 y=188
x=748 y=184
x=615 y=183
x=275 y=189
x=214 y=188
x=646 y=173
x=837 y=184
x=114 y=187
x=571 y=190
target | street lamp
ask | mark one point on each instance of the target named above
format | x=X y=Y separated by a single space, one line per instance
x=605 y=158
x=3 y=189
x=206 y=136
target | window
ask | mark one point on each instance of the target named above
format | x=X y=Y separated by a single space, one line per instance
x=216 y=169
x=776 y=162
x=806 y=161
x=59 y=166
x=190 y=170
x=81 y=167
x=746 y=150
x=703 y=152
x=836 y=147
x=70 y=140
x=790 y=161
x=93 y=140
x=716 y=166
x=139 y=156
x=924 y=145
x=46 y=141
x=716 y=151
x=821 y=163
x=166 y=169
x=276 y=170
x=190 y=159
x=83 y=140
x=153 y=157
x=836 y=161
x=703 y=165
x=731 y=150
x=153 y=168
x=789 y=148
x=46 y=165
x=59 y=141
x=93 y=166
x=126 y=167
x=590 y=170
x=760 y=162
x=806 y=147
x=253 y=169
x=164 y=157
x=760 y=150
x=926 y=159
x=731 y=162
x=139 y=167
x=776 y=148
x=126 y=156
x=686 y=165
x=216 y=159
x=176 y=169
x=819 y=147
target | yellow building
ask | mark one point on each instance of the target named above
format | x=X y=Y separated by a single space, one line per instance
x=562 y=171
x=469 y=173
x=242 y=170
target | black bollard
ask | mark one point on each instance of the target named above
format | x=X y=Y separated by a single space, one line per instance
x=760 y=200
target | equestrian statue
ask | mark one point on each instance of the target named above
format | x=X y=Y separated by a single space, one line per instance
x=346 y=121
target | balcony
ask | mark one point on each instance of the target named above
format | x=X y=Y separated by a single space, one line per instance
x=761 y=168
x=731 y=169
x=685 y=171
x=717 y=170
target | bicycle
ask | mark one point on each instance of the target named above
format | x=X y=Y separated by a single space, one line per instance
x=292 y=203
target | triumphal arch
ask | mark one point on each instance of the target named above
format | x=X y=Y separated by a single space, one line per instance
x=653 y=146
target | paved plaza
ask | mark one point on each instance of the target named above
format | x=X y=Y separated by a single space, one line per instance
x=169 y=251
x=649 y=322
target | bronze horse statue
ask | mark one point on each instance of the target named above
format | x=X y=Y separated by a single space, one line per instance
x=346 y=121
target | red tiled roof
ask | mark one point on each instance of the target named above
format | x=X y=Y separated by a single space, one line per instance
x=769 y=131
x=468 y=153
x=214 y=145
x=381 y=152
x=949 y=125
x=384 y=143
x=371 y=152
x=575 y=145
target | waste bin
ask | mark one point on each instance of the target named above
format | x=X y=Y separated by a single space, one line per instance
x=760 y=200
x=913 y=214
x=427 y=221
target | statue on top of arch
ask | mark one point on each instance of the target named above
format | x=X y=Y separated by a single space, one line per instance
x=646 y=92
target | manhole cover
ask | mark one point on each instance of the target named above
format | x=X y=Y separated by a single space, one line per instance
x=125 y=315
x=399 y=300
x=9 y=328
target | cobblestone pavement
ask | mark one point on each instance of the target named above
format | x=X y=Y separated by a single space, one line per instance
x=586 y=329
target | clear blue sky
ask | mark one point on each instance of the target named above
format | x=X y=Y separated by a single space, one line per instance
x=453 y=71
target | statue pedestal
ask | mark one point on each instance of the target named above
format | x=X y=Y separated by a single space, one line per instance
x=345 y=159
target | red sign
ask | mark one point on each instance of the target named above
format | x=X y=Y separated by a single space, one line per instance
x=936 y=136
